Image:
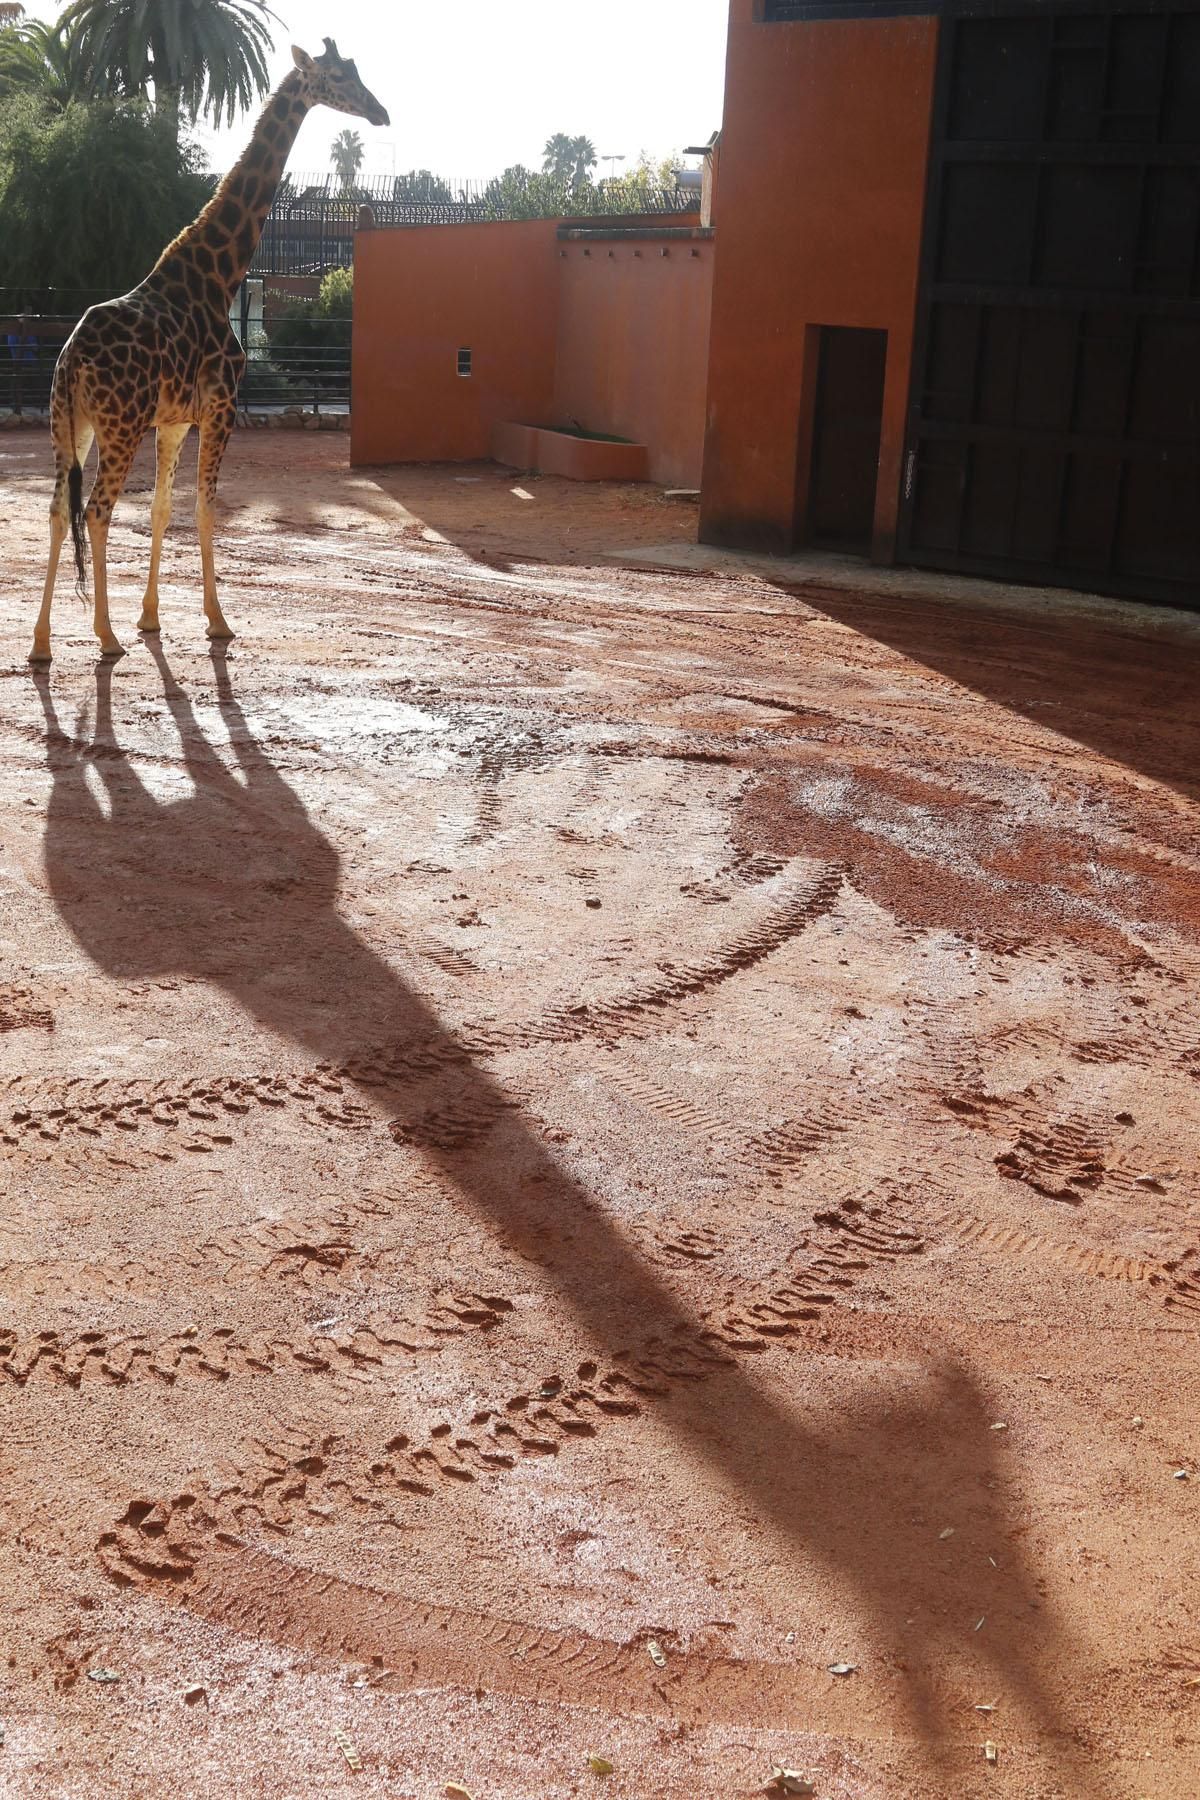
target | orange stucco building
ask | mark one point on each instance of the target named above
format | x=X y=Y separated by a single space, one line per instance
x=824 y=154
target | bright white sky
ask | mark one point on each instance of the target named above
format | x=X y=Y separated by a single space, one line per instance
x=474 y=85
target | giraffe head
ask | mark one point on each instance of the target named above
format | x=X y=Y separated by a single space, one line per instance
x=332 y=80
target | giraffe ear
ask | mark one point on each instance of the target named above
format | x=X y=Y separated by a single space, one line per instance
x=302 y=59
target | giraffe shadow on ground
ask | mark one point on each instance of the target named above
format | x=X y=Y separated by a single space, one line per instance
x=234 y=885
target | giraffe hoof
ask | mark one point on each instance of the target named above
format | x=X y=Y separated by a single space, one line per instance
x=148 y=625
x=220 y=633
x=38 y=656
x=110 y=652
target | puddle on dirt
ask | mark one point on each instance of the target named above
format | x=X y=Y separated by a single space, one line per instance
x=340 y=717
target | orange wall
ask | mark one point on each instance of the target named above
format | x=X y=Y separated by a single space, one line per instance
x=633 y=346
x=421 y=294
x=823 y=160
x=615 y=340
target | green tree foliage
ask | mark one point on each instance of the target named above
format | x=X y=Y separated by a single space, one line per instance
x=311 y=338
x=420 y=187
x=346 y=155
x=90 y=196
x=522 y=193
x=643 y=188
x=336 y=299
x=201 y=57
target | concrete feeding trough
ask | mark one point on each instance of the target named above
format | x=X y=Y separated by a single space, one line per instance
x=573 y=453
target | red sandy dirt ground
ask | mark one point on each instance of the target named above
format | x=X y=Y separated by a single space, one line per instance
x=548 y=1106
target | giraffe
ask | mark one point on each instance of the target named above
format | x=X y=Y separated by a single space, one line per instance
x=164 y=356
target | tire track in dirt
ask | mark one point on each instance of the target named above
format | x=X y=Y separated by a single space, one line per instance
x=673 y=1107
x=203 y=1548
x=968 y=1229
x=116 y=1358
x=631 y=1013
x=99 y=1110
x=21 y=1011
x=290 y=1483
x=407 y=1644
x=302 y=1251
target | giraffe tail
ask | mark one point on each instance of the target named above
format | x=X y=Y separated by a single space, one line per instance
x=78 y=537
x=71 y=373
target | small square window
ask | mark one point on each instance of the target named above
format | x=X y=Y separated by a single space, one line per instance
x=464 y=362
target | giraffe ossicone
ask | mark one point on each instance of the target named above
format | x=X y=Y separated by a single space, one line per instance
x=165 y=357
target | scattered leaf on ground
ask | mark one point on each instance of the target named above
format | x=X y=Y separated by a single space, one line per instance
x=1000 y=1425
x=979 y=1621
x=1181 y=1475
x=103 y=1675
x=657 y=1656
x=347 y=1749
x=986 y=1706
x=599 y=1765
x=457 y=1791
x=842 y=1668
x=991 y=1754
x=949 y=1532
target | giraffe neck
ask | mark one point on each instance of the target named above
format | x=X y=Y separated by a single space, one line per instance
x=219 y=246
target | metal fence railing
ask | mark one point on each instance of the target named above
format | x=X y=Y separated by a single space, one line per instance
x=314 y=378
x=310 y=228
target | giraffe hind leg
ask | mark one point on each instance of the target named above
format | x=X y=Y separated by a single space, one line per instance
x=170 y=443
x=116 y=457
x=68 y=456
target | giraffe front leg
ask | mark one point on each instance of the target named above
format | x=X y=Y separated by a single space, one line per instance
x=214 y=435
x=170 y=444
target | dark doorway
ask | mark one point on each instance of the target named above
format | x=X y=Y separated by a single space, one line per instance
x=849 y=416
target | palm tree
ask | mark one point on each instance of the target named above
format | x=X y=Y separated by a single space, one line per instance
x=46 y=60
x=200 y=56
x=583 y=155
x=569 y=160
x=346 y=156
x=557 y=157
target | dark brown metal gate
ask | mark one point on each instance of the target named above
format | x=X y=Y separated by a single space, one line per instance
x=1054 y=429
